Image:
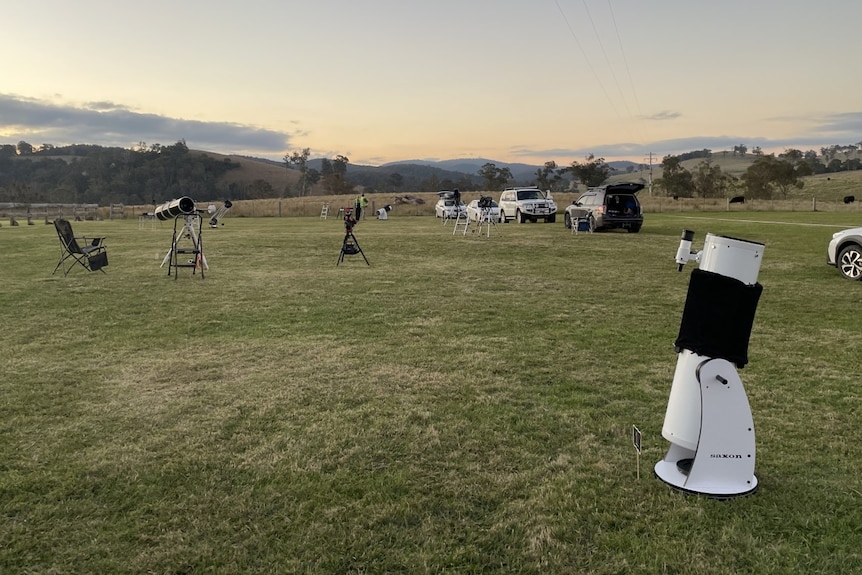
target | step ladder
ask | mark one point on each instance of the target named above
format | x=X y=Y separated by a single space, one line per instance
x=462 y=222
x=324 y=211
x=187 y=246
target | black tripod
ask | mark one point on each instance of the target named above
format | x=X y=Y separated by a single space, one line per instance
x=350 y=247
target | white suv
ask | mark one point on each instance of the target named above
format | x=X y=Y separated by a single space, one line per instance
x=527 y=204
x=845 y=253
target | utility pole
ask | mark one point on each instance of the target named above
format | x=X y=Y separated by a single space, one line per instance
x=650 y=159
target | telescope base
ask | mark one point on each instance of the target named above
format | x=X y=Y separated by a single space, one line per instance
x=668 y=472
x=722 y=465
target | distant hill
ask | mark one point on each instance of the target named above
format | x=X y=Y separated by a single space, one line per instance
x=428 y=175
x=94 y=174
x=522 y=173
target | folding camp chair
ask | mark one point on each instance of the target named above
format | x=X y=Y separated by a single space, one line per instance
x=92 y=255
x=581 y=220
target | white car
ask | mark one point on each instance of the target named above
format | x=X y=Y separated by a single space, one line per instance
x=527 y=204
x=845 y=253
x=448 y=206
x=490 y=207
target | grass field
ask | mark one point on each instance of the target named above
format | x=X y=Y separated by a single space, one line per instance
x=461 y=405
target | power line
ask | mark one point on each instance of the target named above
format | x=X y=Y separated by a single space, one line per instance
x=605 y=54
x=586 y=58
x=628 y=70
x=634 y=124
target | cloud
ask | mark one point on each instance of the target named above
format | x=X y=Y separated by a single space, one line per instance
x=111 y=124
x=848 y=124
x=663 y=115
x=836 y=129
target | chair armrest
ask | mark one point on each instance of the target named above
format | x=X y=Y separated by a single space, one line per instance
x=93 y=241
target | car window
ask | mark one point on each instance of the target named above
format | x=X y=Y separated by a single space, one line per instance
x=621 y=200
x=530 y=195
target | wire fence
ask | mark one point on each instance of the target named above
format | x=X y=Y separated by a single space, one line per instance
x=422 y=204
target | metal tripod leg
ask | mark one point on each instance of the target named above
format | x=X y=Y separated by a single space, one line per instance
x=486 y=222
x=350 y=246
x=188 y=229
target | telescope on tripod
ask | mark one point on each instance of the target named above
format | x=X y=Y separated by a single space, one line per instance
x=350 y=245
x=185 y=256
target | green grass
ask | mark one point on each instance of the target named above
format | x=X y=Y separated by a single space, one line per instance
x=463 y=405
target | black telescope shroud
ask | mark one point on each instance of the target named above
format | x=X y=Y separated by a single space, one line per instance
x=718 y=316
x=183 y=206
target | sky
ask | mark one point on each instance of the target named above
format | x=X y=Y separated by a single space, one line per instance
x=378 y=81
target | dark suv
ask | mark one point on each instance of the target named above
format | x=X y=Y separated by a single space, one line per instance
x=611 y=206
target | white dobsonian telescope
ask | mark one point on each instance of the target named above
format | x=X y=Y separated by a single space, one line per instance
x=383 y=213
x=708 y=420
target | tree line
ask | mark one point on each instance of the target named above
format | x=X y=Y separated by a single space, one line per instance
x=768 y=177
x=335 y=178
x=145 y=174
x=88 y=174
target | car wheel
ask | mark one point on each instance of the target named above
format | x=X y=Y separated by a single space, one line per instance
x=567 y=219
x=519 y=217
x=634 y=229
x=551 y=219
x=850 y=262
x=503 y=219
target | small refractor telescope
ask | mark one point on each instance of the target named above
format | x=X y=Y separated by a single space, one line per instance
x=349 y=220
x=184 y=206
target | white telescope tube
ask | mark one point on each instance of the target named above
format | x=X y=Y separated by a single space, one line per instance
x=738 y=259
